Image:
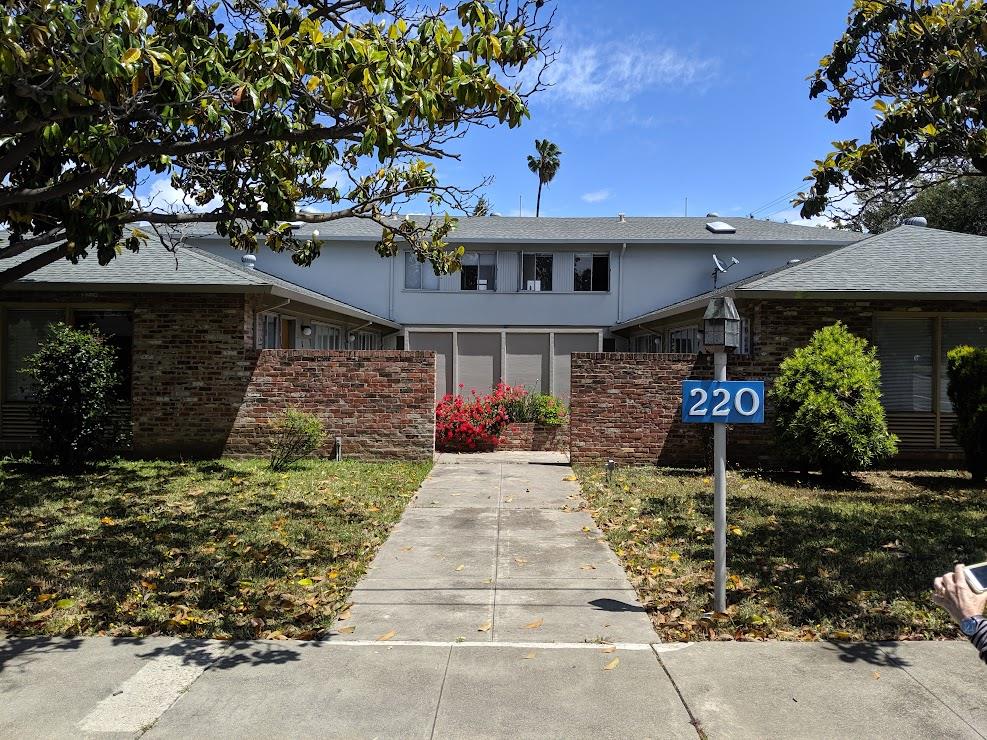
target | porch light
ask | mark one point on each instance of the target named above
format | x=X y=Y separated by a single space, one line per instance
x=306 y=331
x=721 y=326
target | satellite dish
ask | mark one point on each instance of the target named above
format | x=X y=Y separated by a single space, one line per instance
x=719 y=265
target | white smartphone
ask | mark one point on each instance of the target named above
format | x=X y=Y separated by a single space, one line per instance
x=976 y=576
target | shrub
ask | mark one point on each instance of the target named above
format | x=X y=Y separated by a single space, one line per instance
x=294 y=435
x=474 y=422
x=76 y=386
x=966 y=368
x=828 y=408
x=520 y=406
x=549 y=410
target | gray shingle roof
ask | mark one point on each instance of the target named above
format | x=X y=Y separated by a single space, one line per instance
x=157 y=268
x=908 y=259
x=647 y=230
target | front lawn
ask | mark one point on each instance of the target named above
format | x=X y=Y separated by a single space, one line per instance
x=209 y=549
x=805 y=561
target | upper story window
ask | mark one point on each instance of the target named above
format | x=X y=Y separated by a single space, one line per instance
x=479 y=271
x=419 y=275
x=536 y=272
x=592 y=273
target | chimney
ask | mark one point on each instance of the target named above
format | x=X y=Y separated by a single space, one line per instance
x=916 y=221
x=249 y=261
x=622 y=218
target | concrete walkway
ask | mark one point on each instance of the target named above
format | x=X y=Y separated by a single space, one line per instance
x=497 y=548
x=506 y=646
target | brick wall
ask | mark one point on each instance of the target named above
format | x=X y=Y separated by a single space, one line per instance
x=627 y=406
x=381 y=403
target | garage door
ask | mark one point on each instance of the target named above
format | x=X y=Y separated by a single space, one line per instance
x=479 y=361
x=565 y=345
x=527 y=361
x=441 y=344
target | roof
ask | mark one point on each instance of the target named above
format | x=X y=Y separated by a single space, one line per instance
x=909 y=261
x=156 y=268
x=595 y=230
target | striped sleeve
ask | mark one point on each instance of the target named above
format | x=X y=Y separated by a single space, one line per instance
x=979 y=638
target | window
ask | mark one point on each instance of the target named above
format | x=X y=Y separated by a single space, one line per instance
x=592 y=273
x=904 y=347
x=118 y=328
x=646 y=343
x=479 y=271
x=745 y=338
x=326 y=337
x=956 y=333
x=25 y=330
x=367 y=340
x=269 y=332
x=419 y=275
x=684 y=341
x=536 y=272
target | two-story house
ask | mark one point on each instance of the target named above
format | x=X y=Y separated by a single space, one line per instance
x=531 y=290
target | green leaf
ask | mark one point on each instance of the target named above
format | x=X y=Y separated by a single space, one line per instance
x=64 y=603
x=306 y=582
x=130 y=56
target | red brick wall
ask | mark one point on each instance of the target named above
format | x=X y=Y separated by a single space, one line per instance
x=381 y=403
x=627 y=406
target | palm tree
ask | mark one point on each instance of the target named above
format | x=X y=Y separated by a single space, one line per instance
x=545 y=165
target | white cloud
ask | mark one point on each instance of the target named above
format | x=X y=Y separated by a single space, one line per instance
x=588 y=74
x=792 y=216
x=597 y=196
x=163 y=196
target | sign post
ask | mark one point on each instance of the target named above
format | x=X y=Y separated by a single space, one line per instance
x=720 y=402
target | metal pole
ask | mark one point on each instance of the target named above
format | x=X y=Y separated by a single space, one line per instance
x=720 y=498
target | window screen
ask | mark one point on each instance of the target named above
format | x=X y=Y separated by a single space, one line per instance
x=326 y=337
x=479 y=271
x=536 y=272
x=592 y=272
x=683 y=341
x=956 y=333
x=419 y=275
x=25 y=329
x=904 y=347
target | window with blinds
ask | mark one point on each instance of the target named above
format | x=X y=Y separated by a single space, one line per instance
x=25 y=329
x=904 y=347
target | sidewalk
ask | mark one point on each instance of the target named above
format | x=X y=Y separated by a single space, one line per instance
x=505 y=616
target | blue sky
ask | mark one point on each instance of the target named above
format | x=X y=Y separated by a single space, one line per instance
x=707 y=101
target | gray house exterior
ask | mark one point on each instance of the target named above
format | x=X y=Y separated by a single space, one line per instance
x=534 y=290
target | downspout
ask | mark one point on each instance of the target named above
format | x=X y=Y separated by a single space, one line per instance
x=620 y=284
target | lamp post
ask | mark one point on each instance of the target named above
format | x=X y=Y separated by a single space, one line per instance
x=721 y=335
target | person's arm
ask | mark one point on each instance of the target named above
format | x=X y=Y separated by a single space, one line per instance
x=953 y=593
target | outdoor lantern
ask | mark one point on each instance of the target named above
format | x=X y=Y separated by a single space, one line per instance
x=721 y=326
x=306 y=331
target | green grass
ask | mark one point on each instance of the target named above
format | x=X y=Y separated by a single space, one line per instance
x=805 y=561
x=223 y=549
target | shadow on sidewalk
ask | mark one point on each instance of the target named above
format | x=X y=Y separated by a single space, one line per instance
x=865 y=652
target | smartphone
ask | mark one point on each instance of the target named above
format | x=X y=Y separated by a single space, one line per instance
x=976 y=576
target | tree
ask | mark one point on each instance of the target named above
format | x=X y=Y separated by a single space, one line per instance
x=954 y=206
x=482 y=207
x=966 y=368
x=827 y=401
x=257 y=110
x=545 y=165
x=922 y=65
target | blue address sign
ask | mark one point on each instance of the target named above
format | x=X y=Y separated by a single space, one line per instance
x=723 y=401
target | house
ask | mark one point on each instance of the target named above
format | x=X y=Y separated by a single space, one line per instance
x=534 y=290
x=185 y=324
x=914 y=292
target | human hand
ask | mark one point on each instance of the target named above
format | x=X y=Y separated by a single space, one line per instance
x=953 y=593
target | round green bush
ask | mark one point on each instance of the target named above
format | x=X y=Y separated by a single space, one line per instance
x=966 y=368
x=76 y=387
x=827 y=402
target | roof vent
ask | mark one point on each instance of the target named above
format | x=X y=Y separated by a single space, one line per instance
x=249 y=261
x=713 y=214
x=794 y=262
x=622 y=218
x=720 y=227
x=916 y=221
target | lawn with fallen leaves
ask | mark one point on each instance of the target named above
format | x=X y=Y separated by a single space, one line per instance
x=220 y=549
x=805 y=561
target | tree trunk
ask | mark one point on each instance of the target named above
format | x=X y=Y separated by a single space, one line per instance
x=538 y=202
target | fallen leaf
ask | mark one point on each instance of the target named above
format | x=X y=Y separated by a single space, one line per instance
x=530 y=655
x=570 y=477
x=64 y=603
x=345 y=614
x=460 y=567
x=612 y=664
x=306 y=582
x=509 y=499
x=520 y=561
x=535 y=625
x=386 y=636
x=107 y=521
x=609 y=649
x=485 y=627
x=877 y=675
x=587 y=566
x=409 y=548
x=346 y=630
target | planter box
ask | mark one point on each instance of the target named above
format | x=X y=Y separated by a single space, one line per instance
x=529 y=436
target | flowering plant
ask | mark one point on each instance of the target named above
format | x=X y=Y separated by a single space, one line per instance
x=468 y=423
